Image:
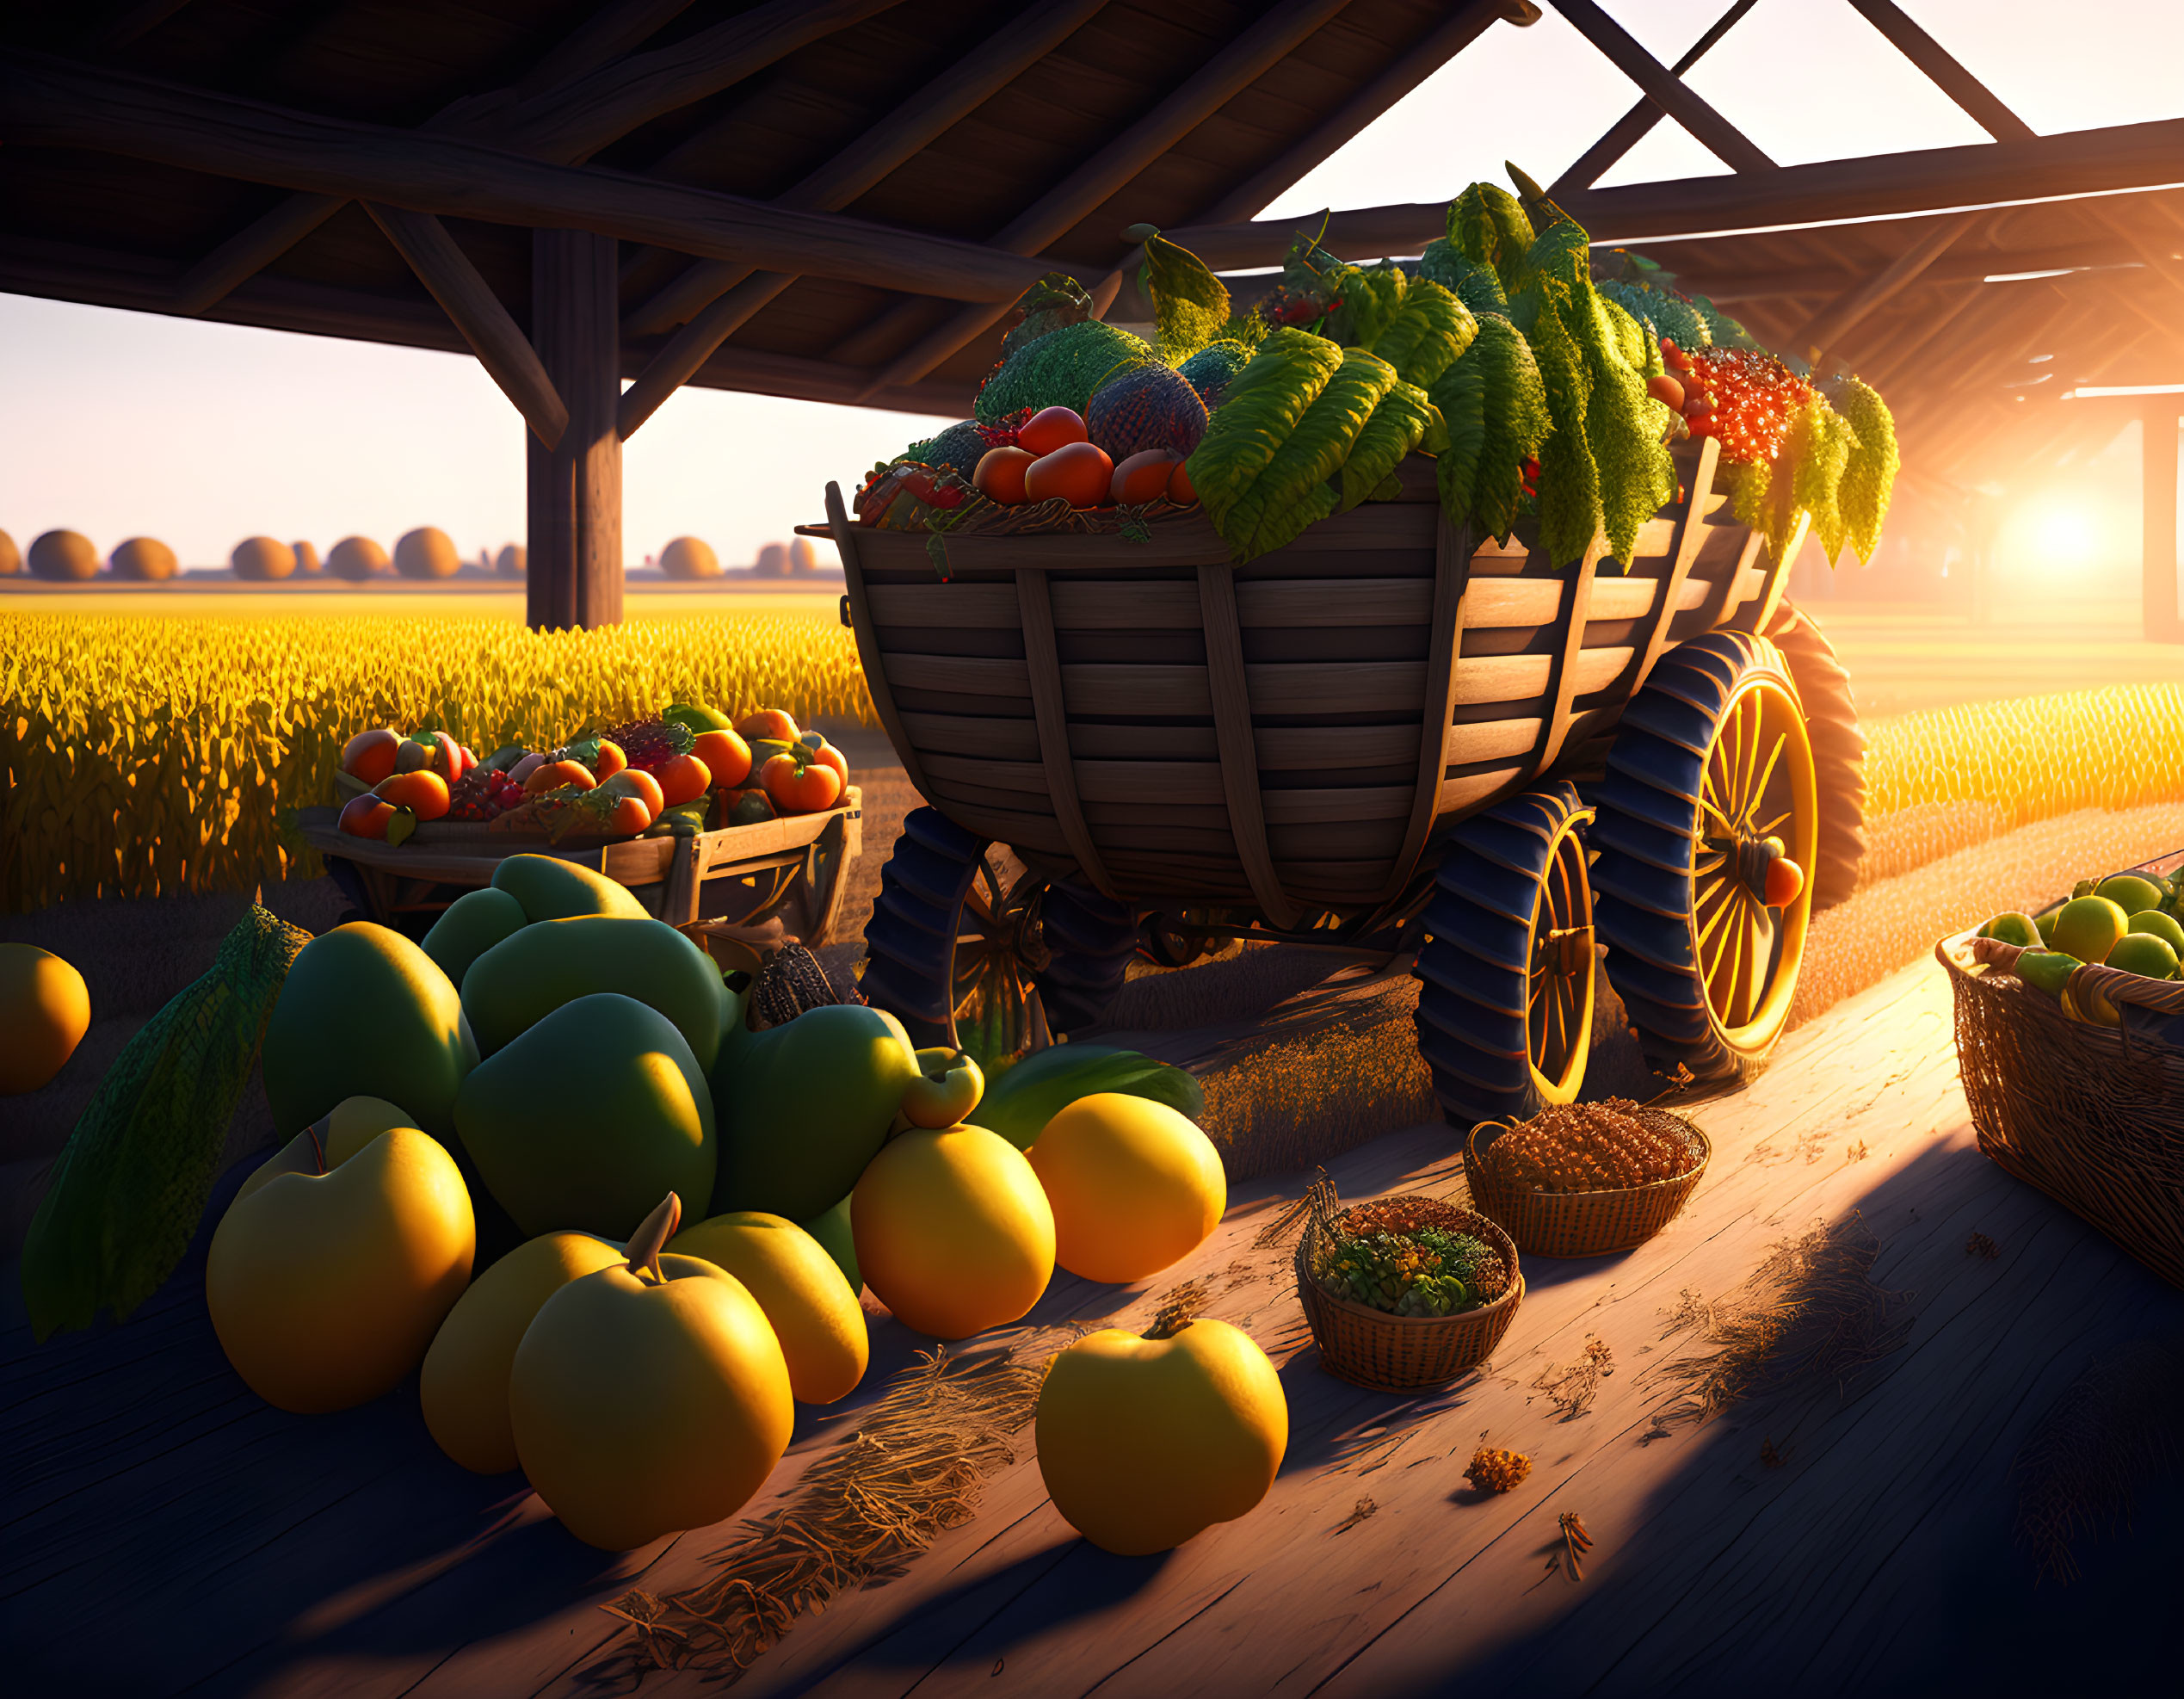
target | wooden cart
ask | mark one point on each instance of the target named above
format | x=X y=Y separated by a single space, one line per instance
x=1389 y=737
x=790 y=868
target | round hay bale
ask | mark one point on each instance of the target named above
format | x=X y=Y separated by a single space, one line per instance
x=262 y=560
x=426 y=553
x=307 y=560
x=10 y=557
x=355 y=558
x=772 y=561
x=803 y=557
x=689 y=558
x=509 y=563
x=146 y=560
x=65 y=557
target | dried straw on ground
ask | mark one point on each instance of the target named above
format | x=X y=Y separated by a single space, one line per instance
x=2112 y=1431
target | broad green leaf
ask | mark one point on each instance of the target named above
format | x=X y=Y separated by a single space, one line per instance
x=1190 y=304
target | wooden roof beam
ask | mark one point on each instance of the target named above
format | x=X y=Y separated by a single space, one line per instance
x=937 y=107
x=1235 y=67
x=1944 y=71
x=1634 y=125
x=1664 y=88
x=50 y=102
x=611 y=31
x=473 y=307
x=133 y=22
x=1836 y=320
x=1433 y=50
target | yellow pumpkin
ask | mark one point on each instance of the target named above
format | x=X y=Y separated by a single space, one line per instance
x=463 y=1385
x=1135 y=1186
x=325 y=1289
x=816 y=1316
x=952 y=1232
x=45 y=1011
x=650 y=1397
x=1144 y=1442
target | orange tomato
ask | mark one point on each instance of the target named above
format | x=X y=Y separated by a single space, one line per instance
x=637 y=782
x=1045 y=431
x=555 y=774
x=611 y=761
x=1000 y=475
x=423 y=792
x=725 y=754
x=801 y=787
x=369 y=755
x=1143 y=477
x=1078 y=472
x=631 y=816
x=366 y=816
x=822 y=750
x=768 y=723
x=683 y=780
x=1179 y=484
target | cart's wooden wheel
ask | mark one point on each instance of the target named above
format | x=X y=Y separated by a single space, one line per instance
x=958 y=937
x=1505 y=1010
x=1706 y=831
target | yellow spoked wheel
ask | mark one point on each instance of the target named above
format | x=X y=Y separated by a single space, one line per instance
x=1707 y=832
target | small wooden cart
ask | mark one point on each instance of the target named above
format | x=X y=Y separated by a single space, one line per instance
x=789 y=868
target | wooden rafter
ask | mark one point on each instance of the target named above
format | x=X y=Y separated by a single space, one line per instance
x=473 y=307
x=1664 y=88
x=133 y=22
x=897 y=138
x=608 y=33
x=51 y=102
x=1634 y=125
x=1842 y=315
x=1231 y=70
x=1944 y=71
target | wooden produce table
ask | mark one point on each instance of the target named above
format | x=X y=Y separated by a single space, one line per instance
x=168 y=1532
x=792 y=866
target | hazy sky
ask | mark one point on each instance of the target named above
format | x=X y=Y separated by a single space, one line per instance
x=119 y=423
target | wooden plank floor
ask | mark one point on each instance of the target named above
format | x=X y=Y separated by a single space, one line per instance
x=165 y=1532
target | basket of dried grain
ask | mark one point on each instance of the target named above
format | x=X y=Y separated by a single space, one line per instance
x=1585 y=1179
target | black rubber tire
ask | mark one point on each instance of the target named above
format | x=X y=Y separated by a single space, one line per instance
x=1475 y=969
x=1838 y=752
x=910 y=941
x=1646 y=829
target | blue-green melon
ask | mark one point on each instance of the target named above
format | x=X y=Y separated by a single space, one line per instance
x=521 y=980
x=471 y=925
x=550 y=888
x=587 y=1119
x=1152 y=407
x=832 y=1231
x=366 y=1013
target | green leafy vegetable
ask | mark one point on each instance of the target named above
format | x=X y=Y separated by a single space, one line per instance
x=1056 y=300
x=1569 y=506
x=1869 y=476
x=1370 y=299
x=1291 y=492
x=1190 y=304
x=1022 y=1099
x=1461 y=396
x=1399 y=424
x=1474 y=282
x=1486 y=223
x=1425 y=339
x=1266 y=401
x=1060 y=369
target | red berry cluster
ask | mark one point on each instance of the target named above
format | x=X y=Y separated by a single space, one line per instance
x=1741 y=395
x=480 y=796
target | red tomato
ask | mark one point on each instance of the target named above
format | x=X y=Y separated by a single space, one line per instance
x=799 y=787
x=630 y=817
x=423 y=792
x=1000 y=475
x=637 y=782
x=1143 y=477
x=556 y=774
x=1179 y=484
x=366 y=816
x=766 y=723
x=1043 y=432
x=824 y=751
x=1078 y=472
x=1667 y=391
x=725 y=754
x=611 y=760
x=369 y=755
x=1784 y=882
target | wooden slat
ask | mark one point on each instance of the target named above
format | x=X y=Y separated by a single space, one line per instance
x=964 y=674
x=867 y=635
x=1328 y=808
x=1391 y=525
x=1502 y=678
x=1190 y=542
x=1046 y=670
x=986 y=607
x=1489 y=740
x=1024 y=831
x=1655 y=538
x=1125 y=688
x=1164 y=781
x=1312 y=748
x=1592 y=670
x=1233 y=691
x=1567 y=665
x=1492 y=602
x=1476 y=790
x=1624 y=599
x=1089 y=742
x=1127 y=821
x=1373 y=840
x=968 y=735
x=1666 y=90
x=1169 y=606
x=1693 y=593
x=1023 y=776
x=1303 y=604
x=1437 y=692
x=1345 y=687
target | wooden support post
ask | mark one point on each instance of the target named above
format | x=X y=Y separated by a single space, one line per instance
x=2158 y=504
x=575 y=549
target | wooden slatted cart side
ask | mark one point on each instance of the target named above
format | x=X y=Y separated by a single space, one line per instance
x=1285 y=735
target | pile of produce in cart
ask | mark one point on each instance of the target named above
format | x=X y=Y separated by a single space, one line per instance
x=1410 y=610
x=687 y=769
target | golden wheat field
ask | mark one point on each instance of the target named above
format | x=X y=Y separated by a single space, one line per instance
x=151 y=754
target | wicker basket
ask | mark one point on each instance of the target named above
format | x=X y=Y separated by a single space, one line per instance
x=2092 y=1116
x=1393 y=1353
x=1582 y=1224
